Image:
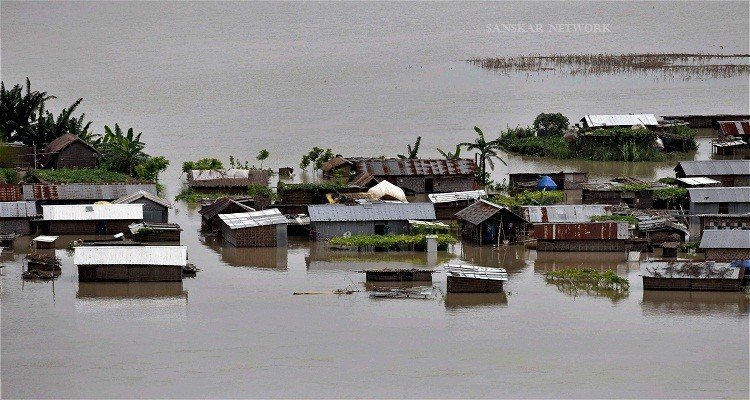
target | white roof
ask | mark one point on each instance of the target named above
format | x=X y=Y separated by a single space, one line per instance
x=92 y=212
x=437 y=198
x=595 y=121
x=254 y=218
x=130 y=255
x=386 y=188
x=45 y=239
x=476 y=272
x=698 y=181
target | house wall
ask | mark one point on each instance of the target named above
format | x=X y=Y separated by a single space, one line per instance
x=129 y=273
x=581 y=245
x=441 y=184
x=17 y=225
x=153 y=212
x=327 y=230
x=260 y=236
x=77 y=155
x=642 y=199
x=727 y=254
x=86 y=227
x=711 y=208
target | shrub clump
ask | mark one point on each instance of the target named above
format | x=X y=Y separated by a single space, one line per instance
x=65 y=175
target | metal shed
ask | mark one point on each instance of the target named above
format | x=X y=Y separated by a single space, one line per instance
x=15 y=216
x=130 y=263
x=265 y=228
x=377 y=218
x=155 y=208
x=726 y=244
x=90 y=219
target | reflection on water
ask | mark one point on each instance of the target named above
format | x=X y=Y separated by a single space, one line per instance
x=320 y=257
x=115 y=290
x=475 y=300
x=602 y=261
x=512 y=258
x=370 y=286
x=258 y=257
x=661 y=302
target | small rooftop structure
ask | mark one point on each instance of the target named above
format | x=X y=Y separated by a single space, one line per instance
x=155 y=232
x=18 y=209
x=564 y=213
x=481 y=211
x=605 y=121
x=92 y=212
x=474 y=279
x=155 y=208
x=210 y=213
x=439 y=198
x=45 y=242
x=366 y=211
x=253 y=219
x=388 y=191
x=414 y=167
x=691 y=275
x=229 y=178
x=485 y=222
x=70 y=151
x=709 y=168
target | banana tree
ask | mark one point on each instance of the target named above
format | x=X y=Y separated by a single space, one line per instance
x=487 y=152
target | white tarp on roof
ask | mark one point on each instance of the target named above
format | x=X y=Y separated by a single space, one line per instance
x=92 y=212
x=388 y=190
x=437 y=198
x=596 y=121
x=698 y=181
x=254 y=218
x=130 y=255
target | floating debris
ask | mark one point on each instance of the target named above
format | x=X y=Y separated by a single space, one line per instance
x=397 y=275
x=39 y=275
x=423 y=292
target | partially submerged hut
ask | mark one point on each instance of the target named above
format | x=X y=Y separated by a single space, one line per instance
x=619 y=120
x=448 y=204
x=90 y=219
x=44 y=242
x=485 y=223
x=583 y=236
x=70 y=151
x=155 y=208
x=474 y=279
x=716 y=201
x=723 y=221
x=130 y=263
x=518 y=182
x=691 y=275
x=564 y=213
x=633 y=192
x=726 y=244
x=16 y=216
x=377 y=218
x=265 y=228
x=231 y=181
x=737 y=129
x=728 y=172
x=155 y=232
x=210 y=220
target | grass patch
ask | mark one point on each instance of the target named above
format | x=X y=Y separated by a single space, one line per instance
x=529 y=198
x=65 y=175
x=8 y=175
x=389 y=241
x=672 y=193
x=190 y=196
x=588 y=279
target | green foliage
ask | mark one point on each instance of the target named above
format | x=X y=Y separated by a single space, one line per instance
x=150 y=169
x=255 y=189
x=412 y=151
x=429 y=229
x=315 y=187
x=687 y=246
x=451 y=156
x=669 y=180
x=488 y=151
x=262 y=156
x=121 y=151
x=590 y=278
x=615 y=217
x=317 y=156
x=8 y=175
x=686 y=132
x=671 y=193
x=65 y=175
x=518 y=141
x=189 y=196
x=389 y=241
x=620 y=144
x=305 y=162
x=550 y=124
x=529 y=198
x=633 y=187
x=203 y=164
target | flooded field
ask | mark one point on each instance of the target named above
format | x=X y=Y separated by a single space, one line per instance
x=209 y=79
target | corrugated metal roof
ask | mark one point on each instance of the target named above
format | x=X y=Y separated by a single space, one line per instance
x=220 y=205
x=476 y=272
x=414 y=167
x=734 y=128
x=18 y=209
x=698 y=181
x=725 y=239
x=714 y=167
x=254 y=218
x=297 y=219
x=437 y=198
x=130 y=255
x=564 y=213
x=93 y=212
x=84 y=191
x=227 y=178
x=482 y=210
x=595 y=121
x=141 y=194
x=686 y=269
x=371 y=212
x=720 y=195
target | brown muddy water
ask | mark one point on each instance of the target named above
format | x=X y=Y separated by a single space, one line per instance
x=220 y=79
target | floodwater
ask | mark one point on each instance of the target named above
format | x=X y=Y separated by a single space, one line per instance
x=214 y=79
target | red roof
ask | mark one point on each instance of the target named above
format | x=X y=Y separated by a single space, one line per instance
x=734 y=128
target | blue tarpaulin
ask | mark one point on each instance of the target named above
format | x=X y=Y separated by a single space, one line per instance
x=546 y=183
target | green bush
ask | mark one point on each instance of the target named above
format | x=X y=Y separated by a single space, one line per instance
x=519 y=141
x=591 y=278
x=671 y=193
x=203 y=164
x=529 y=198
x=65 y=175
x=389 y=241
x=190 y=196
x=8 y=175
x=552 y=124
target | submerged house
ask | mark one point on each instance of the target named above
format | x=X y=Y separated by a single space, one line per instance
x=82 y=193
x=583 y=236
x=231 y=181
x=728 y=172
x=716 y=201
x=70 y=151
x=89 y=219
x=737 y=129
x=210 y=220
x=621 y=120
x=519 y=182
x=564 y=213
x=485 y=223
x=155 y=208
x=378 y=218
x=414 y=175
x=726 y=244
x=130 y=263
x=448 y=204
x=633 y=192
x=15 y=217
x=155 y=232
x=691 y=275
x=265 y=228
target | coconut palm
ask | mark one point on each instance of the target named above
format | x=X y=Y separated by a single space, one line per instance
x=487 y=152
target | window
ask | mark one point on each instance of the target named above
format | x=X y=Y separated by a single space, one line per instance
x=723 y=208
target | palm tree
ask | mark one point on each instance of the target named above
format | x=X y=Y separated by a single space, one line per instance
x=122 y=151
x=487 y=151
x=18 y=111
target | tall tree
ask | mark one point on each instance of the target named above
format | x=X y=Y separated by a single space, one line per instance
x=19 y=111
x=487 y=151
